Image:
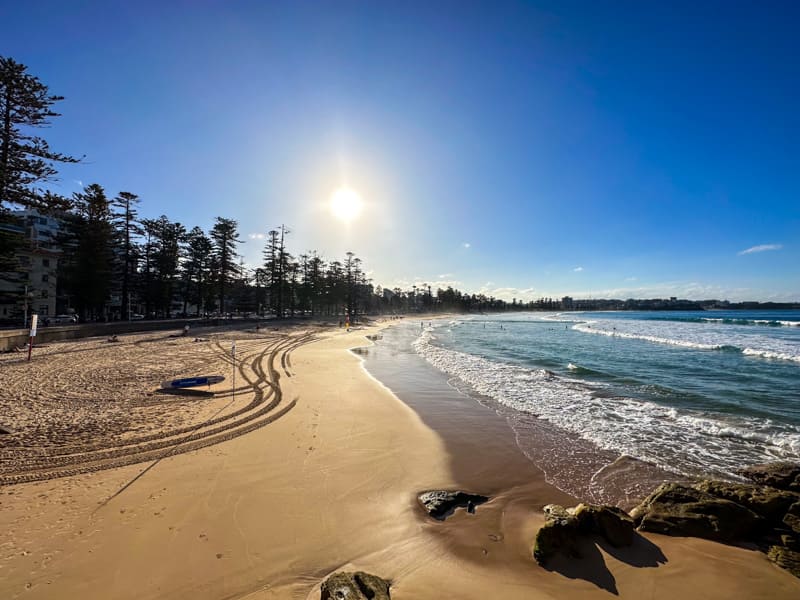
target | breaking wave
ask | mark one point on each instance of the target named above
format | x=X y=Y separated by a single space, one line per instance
x=681 y=441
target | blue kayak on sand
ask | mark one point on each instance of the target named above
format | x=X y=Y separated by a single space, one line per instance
x=188 y=382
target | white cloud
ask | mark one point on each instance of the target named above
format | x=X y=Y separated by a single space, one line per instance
x=509 y=293
x=256 y=236
x=445 y=275
x=631 y=279
x=578 y=269
x=761 y=248
x=78 y=182
x=467 y=245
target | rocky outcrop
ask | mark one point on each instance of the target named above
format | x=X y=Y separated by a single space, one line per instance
x=792 y=518
x=354 y=586
x=780 y=475
x=611 y=523
x=559 y=534
x=766 y=514
x=564 y=527
x=770 y=503
x=440 y=504
x=785 y=558
x=679 y=510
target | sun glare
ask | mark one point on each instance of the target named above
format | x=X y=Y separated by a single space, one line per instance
x=346 y=204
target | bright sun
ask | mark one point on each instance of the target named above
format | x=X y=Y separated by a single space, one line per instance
x=346 y=204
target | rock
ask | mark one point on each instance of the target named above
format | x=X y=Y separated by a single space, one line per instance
x=785 y=558
x=675 y=509
x=354 y=586
x=610 y=522
x=558 y=534
x=792 y=518
x=781 y=475
x=553 y=512
x=769 y=502
x=440 y=504
x=790 y=541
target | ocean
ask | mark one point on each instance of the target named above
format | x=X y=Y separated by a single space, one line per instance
x=609 y=404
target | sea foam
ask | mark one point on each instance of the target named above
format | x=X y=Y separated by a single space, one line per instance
x=682 y=441
x=702 y=335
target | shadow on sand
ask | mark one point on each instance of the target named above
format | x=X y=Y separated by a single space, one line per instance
x=184 y=392
x=591 y=566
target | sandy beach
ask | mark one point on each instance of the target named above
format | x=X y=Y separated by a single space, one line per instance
x=113 y=490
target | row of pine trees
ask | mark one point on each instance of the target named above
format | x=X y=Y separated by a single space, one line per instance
x=163 y=268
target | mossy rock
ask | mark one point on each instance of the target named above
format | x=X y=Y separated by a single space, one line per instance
x=792 y=518
x=785 y=558
x=612 y=523
x=675 y=509
x=781 y=475
x=559 y=534
x=768 y=502
x=354 y=586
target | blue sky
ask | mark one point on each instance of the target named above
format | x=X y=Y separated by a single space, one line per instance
x=520 y=149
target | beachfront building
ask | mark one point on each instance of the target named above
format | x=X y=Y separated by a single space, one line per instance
x=31 y=287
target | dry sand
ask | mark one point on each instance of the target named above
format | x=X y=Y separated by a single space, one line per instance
x=315 y=468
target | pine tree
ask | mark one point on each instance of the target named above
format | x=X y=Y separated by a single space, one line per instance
x=225 y=236
x=196 y=269
x=127 y=228
x=166 y=260
x=88 y=255
x=277 y=264
x=26 y=160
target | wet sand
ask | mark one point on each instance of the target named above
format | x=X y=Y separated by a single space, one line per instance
x=325 y=479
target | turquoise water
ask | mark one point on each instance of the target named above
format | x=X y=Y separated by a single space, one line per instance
x=686 y=393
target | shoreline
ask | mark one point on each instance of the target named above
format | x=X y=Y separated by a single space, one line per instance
x=332 y=485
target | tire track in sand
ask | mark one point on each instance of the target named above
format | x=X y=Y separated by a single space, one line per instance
x=266 y=406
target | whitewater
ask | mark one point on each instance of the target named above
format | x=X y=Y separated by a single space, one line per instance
x=691 y=394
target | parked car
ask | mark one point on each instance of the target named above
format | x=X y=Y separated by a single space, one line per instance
x=63 y=319
x=136 y=317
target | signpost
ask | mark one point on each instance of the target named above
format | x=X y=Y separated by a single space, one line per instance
x=34 y=323
x=233 y=357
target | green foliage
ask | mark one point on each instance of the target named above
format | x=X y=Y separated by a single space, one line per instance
x=26 y=160
x=225 y=237
x=127 y=229
x=87 y=264
x=196 y=269
x=162 y=254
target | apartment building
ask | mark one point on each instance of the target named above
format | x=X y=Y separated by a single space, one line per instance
x=37 y=260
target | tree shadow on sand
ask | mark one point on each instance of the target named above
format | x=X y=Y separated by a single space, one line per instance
x=591 y=566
